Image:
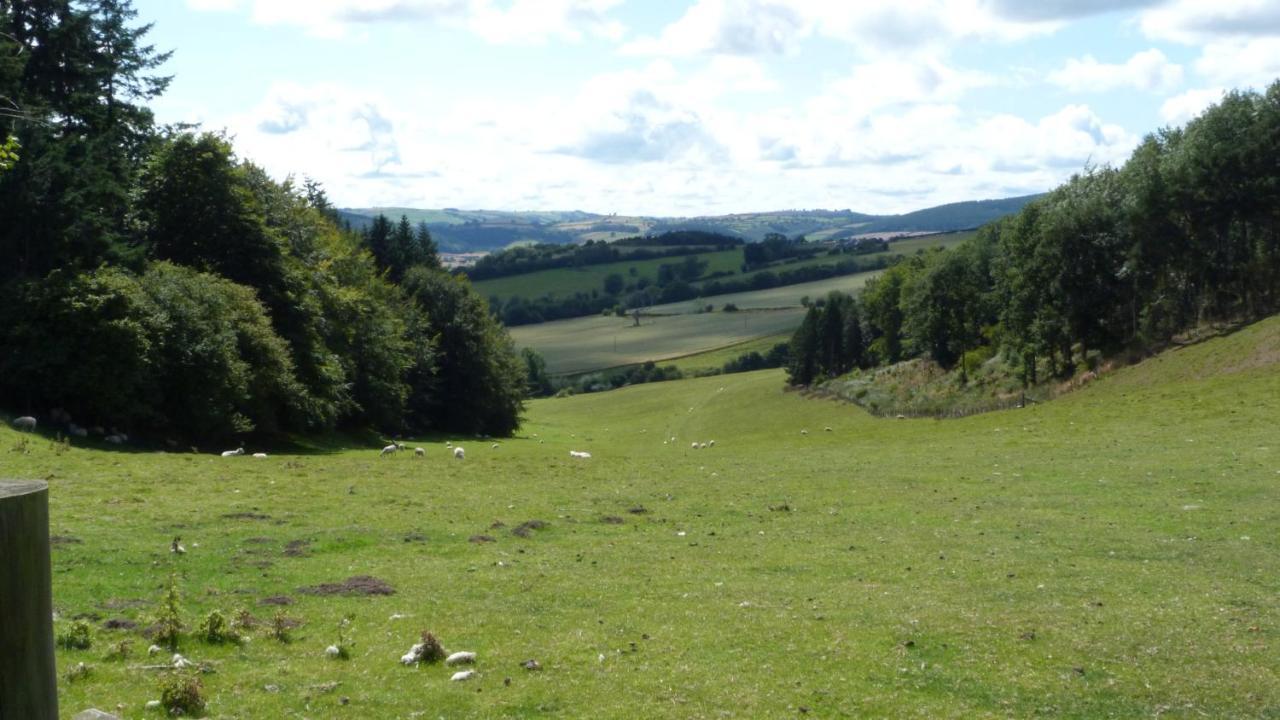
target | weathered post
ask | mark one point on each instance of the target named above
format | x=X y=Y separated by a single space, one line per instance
x=28 y=684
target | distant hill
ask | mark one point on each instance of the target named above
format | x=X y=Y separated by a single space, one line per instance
x=461 y=231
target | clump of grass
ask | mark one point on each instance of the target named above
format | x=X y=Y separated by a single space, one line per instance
x=182 y=694
x=281 y=625
x=345 y=644
x=78 y=672
x=119 y=650
x=77 y=637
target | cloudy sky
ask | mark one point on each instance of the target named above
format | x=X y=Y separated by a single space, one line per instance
x=700 y=107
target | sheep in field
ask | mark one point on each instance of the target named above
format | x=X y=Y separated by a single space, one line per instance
x=388 y=450
x=578 y=454
x=260 y=456
x=694 y=445
x=459 y=453
x=25 y=423
x=226 y=453
x=711 y=443
x=419 y=452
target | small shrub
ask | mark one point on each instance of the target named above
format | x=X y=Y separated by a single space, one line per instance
x=182 y=694
x=168 y=624
x=345 y=643
x=77 y=637
x=215 y=629
x=432 y=650
x=119 y=650
x=730 y=307
x=280 y=627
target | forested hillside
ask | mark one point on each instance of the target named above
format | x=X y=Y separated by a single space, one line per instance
x=1186 y=232
x=156 y=283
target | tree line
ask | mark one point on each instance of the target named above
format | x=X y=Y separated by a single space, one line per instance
x=1186 y=232
x=158 y=283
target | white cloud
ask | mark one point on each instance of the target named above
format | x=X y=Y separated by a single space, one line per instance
x=1240 y=63
x=1179 y=109
x=905 y=27
x=520 y=21
x=1194 y=21
x=1149 y=70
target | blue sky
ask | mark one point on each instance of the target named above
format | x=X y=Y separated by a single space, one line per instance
x=699 y=107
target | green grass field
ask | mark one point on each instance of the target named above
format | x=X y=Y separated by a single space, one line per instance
x=1110 y=554
x=567 y=281
x=597 y=342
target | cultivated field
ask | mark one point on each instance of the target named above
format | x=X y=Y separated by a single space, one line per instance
x=1110 y=554
x=562 y=282
x=597 y=342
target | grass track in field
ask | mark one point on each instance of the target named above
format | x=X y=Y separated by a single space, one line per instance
x=1109 y=554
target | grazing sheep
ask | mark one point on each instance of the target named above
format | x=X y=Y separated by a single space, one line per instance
x=78 y=431
x=495 y=446
x=464 y=675
x=389 y=449
x=419 y=452
x=333 y=651
x=702 y=446
x=155 y=650
x=694 y=445
x=711 y=443
x=25 y=423
x=461 y=658
x=579 y=454
x=459 y=453
x=260 y=456
x=804 y=432
x=181 y=663
x=225 y=453
x=827 y=429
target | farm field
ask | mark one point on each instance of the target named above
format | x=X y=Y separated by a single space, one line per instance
x=597 y=342
x=567 y=281
x=1109 y=554
x=787 y=296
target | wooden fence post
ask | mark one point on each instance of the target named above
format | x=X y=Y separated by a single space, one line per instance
x=28 y=676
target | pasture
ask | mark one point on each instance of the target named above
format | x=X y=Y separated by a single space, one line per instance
x=567 y=281
x=598 y=342
x=1109 y=554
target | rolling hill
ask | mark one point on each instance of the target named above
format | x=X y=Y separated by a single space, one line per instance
x=460 y=231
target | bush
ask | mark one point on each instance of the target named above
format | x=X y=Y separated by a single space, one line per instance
x=215 y=630
x=730 y=307
x=77 y=637
x=182 y=694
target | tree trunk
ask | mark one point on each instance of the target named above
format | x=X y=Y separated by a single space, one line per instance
x=28 y=687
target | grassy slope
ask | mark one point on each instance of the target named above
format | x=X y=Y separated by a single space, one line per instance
x=1110 y=554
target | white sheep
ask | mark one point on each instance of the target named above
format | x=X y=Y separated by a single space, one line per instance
x=389 y=449
x=464 y=657
x=459 y=453
x=495 y=446
x=711 y=443
x=827 y=428
x=702 y=446
x=694 y=445
x=225 y=453
x=333 y=651
x=260 y=456
x=464 y=675
x=414 y=655
x=804 y=432
x=579 y=454
x=25 y=423
x=419 y=452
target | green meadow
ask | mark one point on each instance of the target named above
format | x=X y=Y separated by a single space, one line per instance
x=1112 y=553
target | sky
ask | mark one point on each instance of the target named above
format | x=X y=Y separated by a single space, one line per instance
x=701 y=107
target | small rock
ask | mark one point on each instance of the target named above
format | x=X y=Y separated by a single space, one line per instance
x=272 y=688
x=463 y=676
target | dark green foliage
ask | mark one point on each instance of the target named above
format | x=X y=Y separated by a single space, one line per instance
x=168 y=624
x=539 y=383
x=829 y=342
x=479 y=383
x=215 y=629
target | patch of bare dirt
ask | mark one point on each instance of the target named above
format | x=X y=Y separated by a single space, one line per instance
x=526 y=528
x=276 y=600
x=355 y=585
x=297 y=548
